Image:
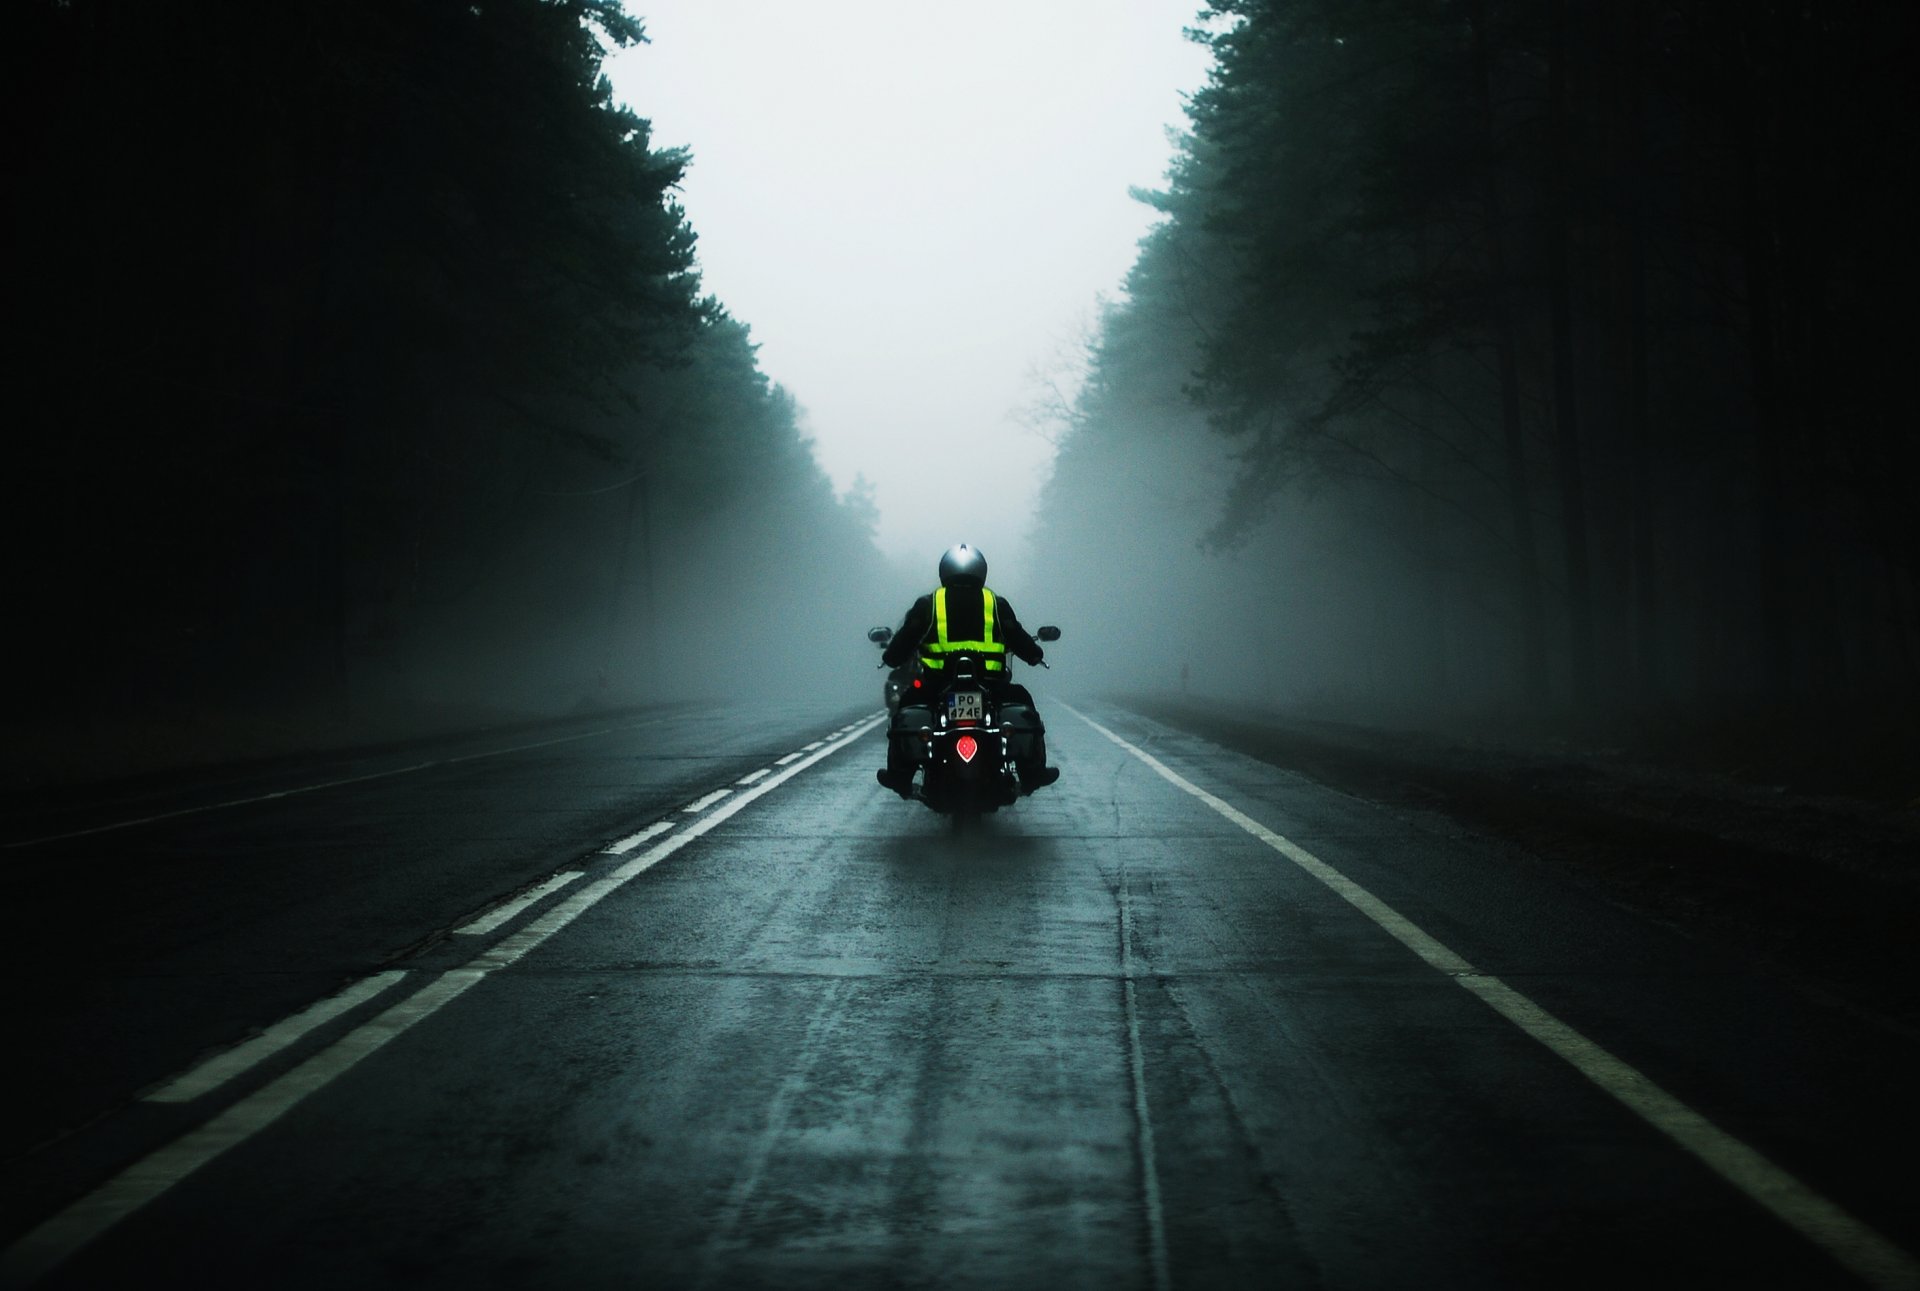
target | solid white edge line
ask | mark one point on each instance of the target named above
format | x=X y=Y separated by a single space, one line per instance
x=631 y=841
x=751 y=776
x=501 y=914
x=55 y=1239
x=223 y=1067
x=1857 y=1247
x=314 y=788
x=702 y=803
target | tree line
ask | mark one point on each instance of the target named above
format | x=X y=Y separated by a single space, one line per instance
x=362 y=353
x=1521 y=353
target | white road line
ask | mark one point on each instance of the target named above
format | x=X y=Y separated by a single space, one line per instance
x=780 y=762
x=494 y=918
x=1860 y=1249
x=808 y=748
x=57 y=1238
x=315 y=788
x=701 y=804
x=632 y=841
x=222 y=1067
x=45 y=1246
x=751 y=776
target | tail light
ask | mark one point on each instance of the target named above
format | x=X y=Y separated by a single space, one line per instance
x=966 y=746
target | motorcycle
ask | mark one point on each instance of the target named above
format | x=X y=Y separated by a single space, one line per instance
x=970 y=739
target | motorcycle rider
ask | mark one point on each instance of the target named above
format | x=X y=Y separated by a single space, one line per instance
x=965 y=614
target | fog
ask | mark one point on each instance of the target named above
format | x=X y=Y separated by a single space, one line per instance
x=414 y=399
x=1539 y=382
x=917 y=210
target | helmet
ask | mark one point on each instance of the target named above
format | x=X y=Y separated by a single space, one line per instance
x=963 y=566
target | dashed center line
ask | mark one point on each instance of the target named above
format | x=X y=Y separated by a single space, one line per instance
x=631 y=841
x=222 y=1067
x=494 y=918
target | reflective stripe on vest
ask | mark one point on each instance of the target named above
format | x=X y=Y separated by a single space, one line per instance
x=932 y=652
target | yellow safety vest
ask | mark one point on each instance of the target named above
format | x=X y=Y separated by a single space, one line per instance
x=934 y=650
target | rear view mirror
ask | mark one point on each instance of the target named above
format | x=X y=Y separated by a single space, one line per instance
x=1048 y=633
x=880 y=636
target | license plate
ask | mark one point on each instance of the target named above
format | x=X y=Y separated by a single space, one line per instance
x=966 y=706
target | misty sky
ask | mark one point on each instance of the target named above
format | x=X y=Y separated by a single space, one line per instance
x=916 y=206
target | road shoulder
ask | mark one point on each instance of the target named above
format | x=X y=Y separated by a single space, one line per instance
x=1824 y=891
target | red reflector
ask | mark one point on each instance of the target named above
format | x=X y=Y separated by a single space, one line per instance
x=966 y=746
x=916 y=683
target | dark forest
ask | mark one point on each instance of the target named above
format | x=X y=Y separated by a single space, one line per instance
x=1535 y=358
x=367 y=370
x=1511 y=359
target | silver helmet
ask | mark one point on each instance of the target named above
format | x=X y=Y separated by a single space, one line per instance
x=963 y=566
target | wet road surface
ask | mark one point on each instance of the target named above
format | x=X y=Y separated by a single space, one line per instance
x=1182 y=1019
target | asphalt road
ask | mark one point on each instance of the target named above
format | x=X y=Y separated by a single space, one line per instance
x=1182 y=1020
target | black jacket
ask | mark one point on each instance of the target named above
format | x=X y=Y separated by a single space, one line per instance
x=918 y=626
